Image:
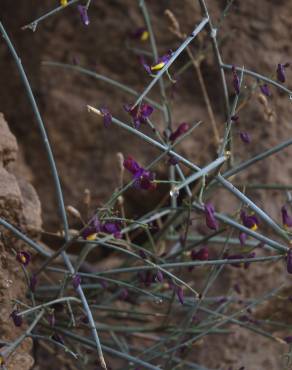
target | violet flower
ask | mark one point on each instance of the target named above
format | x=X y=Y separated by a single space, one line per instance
x=158 y=65
x=249 y=221
x=289 y=261
x=124 y=294
x=201 y=255
x=250 y=255
x=139 y=114
x=76 y=281
x=17 y=319
x=235 y=257
x=144 y=179
x=242 y=238
x=94 y=227
x=288 y=339
x=182 y=129
x=236 y=82
x=286 y=218
x=159 y=276
x=211 y=221
x=180 y=294
x=23 y=257
x=113 y=228
x=265 y=90
x=172 y=160
x=245 y=137
x=83 y=14
x=107 y=117
x=140 y=34
x=281 y=76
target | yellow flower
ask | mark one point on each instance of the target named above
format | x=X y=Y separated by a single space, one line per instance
x=91 y=237
x=64 y=2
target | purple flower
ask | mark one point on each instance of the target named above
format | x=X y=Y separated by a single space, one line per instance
x=92 y=229
x=289 y=261
x=172 y=160
x=180 y=294
x=144 y=179
x=83 y=14
x=201 y=255
x=288 y=339
x=250 y=255
x=182 y=129
x=245 y=137
x=158 y=65
x=33 y=282
x=242 y=238
x=142 y=254
x=249 y=221
x=140 y=34
x=23 y=257
x=76 y=281
x=112 y=228
x=107 y=117
x=124 y=294
x=139 y=114
x=211 y=221
x=286 y=219
x=236 y=82
x=236 y=257
x=281 y=72
x=234 y=118
x=17 y=319
x=265 y=90
x=159 y=276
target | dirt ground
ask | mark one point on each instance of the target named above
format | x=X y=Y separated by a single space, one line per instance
x=255 y=34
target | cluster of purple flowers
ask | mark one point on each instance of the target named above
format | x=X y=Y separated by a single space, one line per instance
x=139 y=114
x=107 y=227
x=144 y=179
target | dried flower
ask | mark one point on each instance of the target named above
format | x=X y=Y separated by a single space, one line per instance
x=281 y=72
x=236 y=82
x=245 y=137
x=182 y=129
x=107 y=117
x=143 y=179
x=23 y=257
x=265 y=90
x=180 y=294
x=83 y=14
x=17 y=319
x=139 y=114
x=76 y=281
x=286 y=219
x=211 y=221
x=289 y=261
x=158 y=65
x=140 y=34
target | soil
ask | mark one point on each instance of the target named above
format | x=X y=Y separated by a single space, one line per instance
x=255 y=35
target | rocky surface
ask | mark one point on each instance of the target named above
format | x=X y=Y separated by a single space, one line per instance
x=19 y=205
